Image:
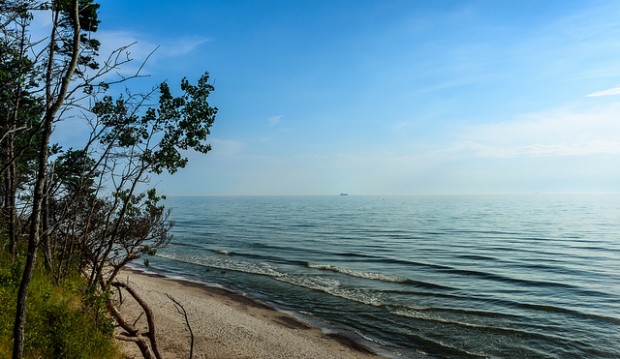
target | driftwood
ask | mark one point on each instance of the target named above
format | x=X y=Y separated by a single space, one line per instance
x=133 y=334
x=191 y=332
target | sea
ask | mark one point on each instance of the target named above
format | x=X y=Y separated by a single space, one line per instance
x=527 y=276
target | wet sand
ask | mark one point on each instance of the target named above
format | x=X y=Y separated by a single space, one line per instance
x=226 y=325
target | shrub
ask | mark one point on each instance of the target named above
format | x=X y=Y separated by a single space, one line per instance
x=61 y=321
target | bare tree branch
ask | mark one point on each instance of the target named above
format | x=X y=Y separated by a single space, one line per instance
x=182 y=310
x=149 y=316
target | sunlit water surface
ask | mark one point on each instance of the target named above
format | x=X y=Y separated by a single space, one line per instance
x=424 y=276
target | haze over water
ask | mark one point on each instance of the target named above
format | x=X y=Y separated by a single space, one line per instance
x=423 y=276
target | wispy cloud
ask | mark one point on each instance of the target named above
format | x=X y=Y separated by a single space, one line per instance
x=555 y=133
x=400 y=126
x=166 y=48
x=274 y=120
x=541 y=150
x=143 y=54
x=226 y=148
x=609 y=92
x=181 y=46
x=137 y=49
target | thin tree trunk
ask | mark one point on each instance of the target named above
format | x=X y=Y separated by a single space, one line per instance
x=11 y=155
x=9 y=198
x=33 y=243
x=45 y=233
x=6 y=143
x=52 y=107
x=11 y=211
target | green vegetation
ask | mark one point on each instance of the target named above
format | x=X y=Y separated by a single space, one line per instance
x=64 y=321
x=88 y=208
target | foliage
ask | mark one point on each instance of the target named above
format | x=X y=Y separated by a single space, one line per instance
x=63 y=321
x=85 y=209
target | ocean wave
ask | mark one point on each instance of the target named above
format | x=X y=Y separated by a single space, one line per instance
x=223 y=252
x=319 y=283
x=567 y=311
x=444 y=348
x=264 y=269
x=429 y=316
x=374 y=276
x=333 y=287
x=359 y=274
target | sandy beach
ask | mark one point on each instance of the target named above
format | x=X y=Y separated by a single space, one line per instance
x=226 y=325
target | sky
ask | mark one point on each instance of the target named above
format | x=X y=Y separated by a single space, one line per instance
x=388 y=97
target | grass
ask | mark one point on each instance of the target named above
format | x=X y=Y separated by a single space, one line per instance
x=63 y=320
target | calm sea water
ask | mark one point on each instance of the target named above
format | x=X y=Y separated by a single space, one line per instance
x=421 y=277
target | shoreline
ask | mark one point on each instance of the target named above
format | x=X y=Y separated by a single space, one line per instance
x=226 y=324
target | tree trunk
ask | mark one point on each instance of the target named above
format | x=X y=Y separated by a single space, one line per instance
x=53 y=104
x=12 y=123
x=33 y=243
x=11 y=211
x=9 y=196
x=45 y=233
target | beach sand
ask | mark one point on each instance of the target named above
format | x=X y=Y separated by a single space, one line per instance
x=226 y=325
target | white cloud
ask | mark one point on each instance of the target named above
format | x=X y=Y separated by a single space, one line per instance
x=541 y=150
x=609 y=92
x=137 y=49
x=274 y=120
x=180 y=47
x=401 y=126
x=113 y=39
x=40 y=25
x=137 y=54
x=556 y=133
x=166 y=48
x=226 y=148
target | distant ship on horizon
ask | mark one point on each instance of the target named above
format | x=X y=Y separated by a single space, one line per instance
x=344 y=194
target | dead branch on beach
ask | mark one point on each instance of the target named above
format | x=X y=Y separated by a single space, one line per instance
x=182 y=310
x=131 y=332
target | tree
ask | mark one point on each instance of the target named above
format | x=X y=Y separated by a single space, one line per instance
x=66 y=25
x=136 y=141
x=89 y=207
x=19 y=111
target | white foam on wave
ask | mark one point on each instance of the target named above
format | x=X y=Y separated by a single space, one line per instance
x=327 y=285
x=334 y=288
x=265 y=269
x=224 y=252
x=359 y=274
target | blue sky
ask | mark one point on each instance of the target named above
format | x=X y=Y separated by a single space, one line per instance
x=388 y=96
